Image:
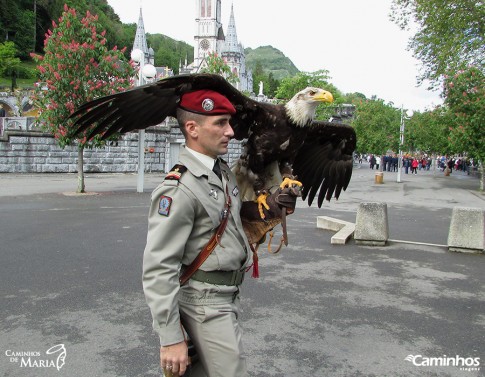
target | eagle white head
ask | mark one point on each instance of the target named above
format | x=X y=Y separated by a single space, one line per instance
x=301 y=108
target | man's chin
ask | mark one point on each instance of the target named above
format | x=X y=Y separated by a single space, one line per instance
x=223 y=150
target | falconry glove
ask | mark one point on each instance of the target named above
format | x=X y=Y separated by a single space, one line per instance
x=282 y=202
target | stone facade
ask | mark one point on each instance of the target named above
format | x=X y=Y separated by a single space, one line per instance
x=37 y=152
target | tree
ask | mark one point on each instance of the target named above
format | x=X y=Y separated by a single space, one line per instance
x=77 y=67
x=376 y=125
x=450 y=33
x=270 y=84
x=428 y=132
x=8 y=60
x=465 y=96
x=217 y=65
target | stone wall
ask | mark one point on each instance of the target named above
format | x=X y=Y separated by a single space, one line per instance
x=37 y=152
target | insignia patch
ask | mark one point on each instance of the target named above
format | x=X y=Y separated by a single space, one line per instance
x=176 y=172
x=235 y=191
x=164 y=205
x=213 y=193
x=208 y=104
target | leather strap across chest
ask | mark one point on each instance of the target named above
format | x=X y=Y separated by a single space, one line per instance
x=207 y=250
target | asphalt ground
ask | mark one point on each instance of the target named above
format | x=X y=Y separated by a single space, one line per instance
x=71 y=274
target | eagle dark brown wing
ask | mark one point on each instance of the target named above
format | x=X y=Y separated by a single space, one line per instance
x=324 y=163
x=150 y=104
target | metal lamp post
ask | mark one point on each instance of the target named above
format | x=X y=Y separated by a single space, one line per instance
x=401 y=141
x=145 y=71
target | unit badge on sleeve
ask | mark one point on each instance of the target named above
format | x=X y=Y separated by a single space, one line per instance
x=164 y=205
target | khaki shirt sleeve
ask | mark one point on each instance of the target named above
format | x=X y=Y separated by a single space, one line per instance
x=166 y=239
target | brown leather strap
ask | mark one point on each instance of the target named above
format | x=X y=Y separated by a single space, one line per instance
x=207 y=250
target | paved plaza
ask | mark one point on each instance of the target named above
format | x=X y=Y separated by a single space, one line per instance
x=71 y=275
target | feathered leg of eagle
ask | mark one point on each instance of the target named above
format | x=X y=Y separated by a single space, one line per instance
x=289 y=180
x=257 y=187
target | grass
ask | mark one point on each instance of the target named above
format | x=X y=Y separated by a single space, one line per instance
x=6 y=83
x=22 y=83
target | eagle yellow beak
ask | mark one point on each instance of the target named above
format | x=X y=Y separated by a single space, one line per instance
x=323 y=96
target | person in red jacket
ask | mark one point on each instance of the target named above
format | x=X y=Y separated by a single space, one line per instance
x=414 y=166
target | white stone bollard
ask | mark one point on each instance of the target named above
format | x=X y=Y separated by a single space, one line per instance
x=371 y=224
x=467 y=230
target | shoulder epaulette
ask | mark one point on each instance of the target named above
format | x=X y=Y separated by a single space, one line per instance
x=176 y=172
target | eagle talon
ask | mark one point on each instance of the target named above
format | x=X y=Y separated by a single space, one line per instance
x=288 y=182
x=261 y=200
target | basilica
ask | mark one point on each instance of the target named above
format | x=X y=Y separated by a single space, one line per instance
x=209 y=38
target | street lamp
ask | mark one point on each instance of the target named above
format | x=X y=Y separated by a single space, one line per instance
x=404 y=115
x=145 y=72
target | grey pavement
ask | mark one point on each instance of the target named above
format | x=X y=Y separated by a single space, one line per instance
x=71 y=274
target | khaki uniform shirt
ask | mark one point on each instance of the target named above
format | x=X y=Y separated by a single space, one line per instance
x=183 y=216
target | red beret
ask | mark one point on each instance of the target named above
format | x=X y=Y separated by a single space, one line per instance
x=206 y=102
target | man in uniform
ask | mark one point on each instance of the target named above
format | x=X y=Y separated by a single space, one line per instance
x=185 y=211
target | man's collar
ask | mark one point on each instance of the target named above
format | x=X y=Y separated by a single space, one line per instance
x=206 y=160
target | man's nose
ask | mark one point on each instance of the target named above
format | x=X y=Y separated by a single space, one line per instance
x=229 y=131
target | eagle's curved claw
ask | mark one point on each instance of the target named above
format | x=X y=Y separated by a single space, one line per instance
x=261 y=200
x=288 y=182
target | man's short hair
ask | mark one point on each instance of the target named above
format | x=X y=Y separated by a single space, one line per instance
x=183 y=116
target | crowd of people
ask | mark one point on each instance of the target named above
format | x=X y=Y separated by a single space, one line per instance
x=412 y=164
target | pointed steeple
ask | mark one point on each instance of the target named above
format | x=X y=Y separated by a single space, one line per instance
x=231 y=35
x=140 y=37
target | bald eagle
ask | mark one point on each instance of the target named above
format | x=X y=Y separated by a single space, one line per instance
x=280 y=140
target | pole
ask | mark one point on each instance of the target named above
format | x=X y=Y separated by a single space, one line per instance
x=401 y=142
x=141 y=138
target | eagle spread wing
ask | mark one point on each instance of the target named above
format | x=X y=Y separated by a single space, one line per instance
x=281 y=136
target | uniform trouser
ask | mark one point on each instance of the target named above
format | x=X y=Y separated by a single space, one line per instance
x=217 y=336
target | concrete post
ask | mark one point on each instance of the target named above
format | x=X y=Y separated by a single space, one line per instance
x=467 y=230
x=371 y=224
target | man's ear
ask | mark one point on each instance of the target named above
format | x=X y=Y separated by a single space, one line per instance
x=191 y=128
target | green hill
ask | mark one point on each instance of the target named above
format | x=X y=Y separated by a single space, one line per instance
x=272 y=61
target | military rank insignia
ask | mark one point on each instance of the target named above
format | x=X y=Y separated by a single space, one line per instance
x=164 y=205
x=176 y=172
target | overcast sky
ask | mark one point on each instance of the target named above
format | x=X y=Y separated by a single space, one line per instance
x=353 y=39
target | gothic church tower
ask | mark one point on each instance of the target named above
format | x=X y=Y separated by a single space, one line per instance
x=209 y=36
x=140 y=41
x=233 y=54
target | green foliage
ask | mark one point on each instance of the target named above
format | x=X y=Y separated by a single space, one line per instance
x=377 y=126
x=428 y=132
x=8 y=61
x=449 y=34
x=270 y=85
x=465 y=97
x=169 y=52
x=77 y=67
x=272 y=60
x=17 y=25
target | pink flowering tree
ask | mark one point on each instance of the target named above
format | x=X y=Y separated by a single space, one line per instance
x=217 y=65
x=76 y=67
x=464 y=94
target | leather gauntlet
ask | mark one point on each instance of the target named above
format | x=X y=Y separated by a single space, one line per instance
x=281 y=202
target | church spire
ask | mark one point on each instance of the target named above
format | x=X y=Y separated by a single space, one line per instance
x=231 y=36
x=140 y=37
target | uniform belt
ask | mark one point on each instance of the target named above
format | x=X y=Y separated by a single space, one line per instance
x=219 y=277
